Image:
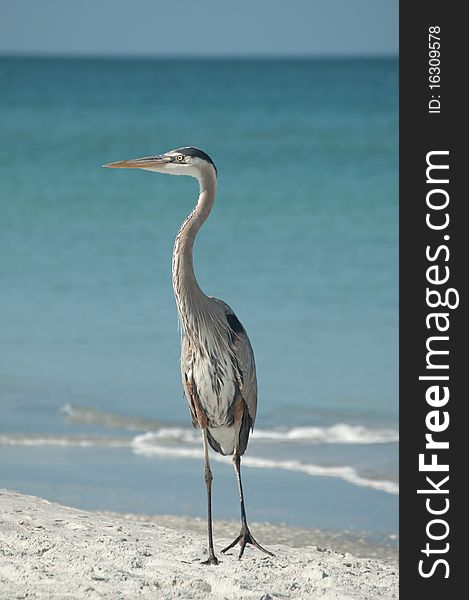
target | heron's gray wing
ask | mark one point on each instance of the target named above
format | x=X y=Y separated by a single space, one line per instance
x=244 y=357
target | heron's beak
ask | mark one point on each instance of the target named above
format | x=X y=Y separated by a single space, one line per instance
x=147 y=162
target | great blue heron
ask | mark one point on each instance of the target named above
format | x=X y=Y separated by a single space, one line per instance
x=217 y=361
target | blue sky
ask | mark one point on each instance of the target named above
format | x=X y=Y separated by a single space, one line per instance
x=200 y=27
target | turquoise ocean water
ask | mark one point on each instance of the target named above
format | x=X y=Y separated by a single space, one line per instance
x=302 y=243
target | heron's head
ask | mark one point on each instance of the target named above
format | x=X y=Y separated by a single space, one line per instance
x=182 y=161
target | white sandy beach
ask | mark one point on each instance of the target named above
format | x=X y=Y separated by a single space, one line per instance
x=49 y=551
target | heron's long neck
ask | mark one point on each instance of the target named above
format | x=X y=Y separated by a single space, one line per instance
x=189 y=297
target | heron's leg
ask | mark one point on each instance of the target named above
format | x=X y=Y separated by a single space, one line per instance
x=212 y=559
x=245 y=537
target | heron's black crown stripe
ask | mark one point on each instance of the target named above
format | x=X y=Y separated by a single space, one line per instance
x=196 y=152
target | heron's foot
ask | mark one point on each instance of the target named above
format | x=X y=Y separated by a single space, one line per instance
x=245 y=537
x=211 y=560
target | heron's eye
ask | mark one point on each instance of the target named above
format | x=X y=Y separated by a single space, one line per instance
x=179 y=157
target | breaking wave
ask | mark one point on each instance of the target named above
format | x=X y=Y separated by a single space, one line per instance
x=171 y=440
x=151 y=444
x=74 y=441
x=145 y=444
x=339 y=433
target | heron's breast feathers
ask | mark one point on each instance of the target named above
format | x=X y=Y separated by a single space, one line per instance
x=210 y=383
x=217 y=364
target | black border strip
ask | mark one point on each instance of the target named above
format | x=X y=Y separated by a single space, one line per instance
x=422 y=132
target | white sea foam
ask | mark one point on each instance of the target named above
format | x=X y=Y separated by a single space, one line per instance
x=63 y=440
x=152 y=443
x=146 y=444
x=340 y=433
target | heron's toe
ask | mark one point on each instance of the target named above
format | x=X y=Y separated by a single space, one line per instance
x=211 y=560
x=245 y=538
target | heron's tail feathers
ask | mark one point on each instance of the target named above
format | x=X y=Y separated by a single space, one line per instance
x=222 y=439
